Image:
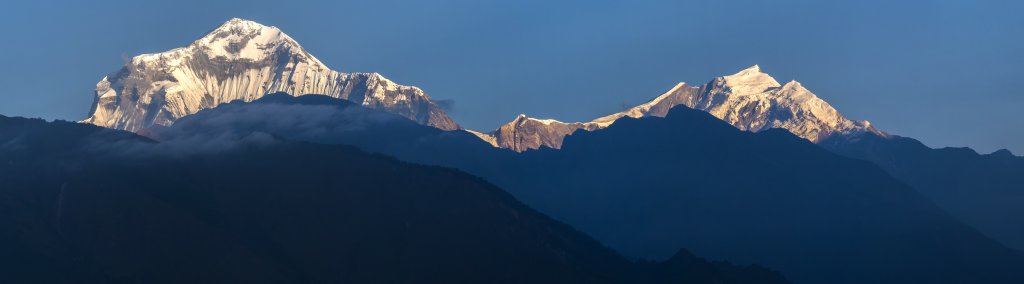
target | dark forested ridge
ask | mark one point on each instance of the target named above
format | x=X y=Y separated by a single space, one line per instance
x=648 y=186
x=772 y=197
x=986 y=191
x=82 y=204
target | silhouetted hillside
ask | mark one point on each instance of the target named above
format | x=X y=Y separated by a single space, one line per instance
x=692 y=181
x=82 y=204
x=986 y=191
x=649 y=186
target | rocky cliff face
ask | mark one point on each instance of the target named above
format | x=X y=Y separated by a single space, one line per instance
x=241 y=60
x=750 y=100
x=525 y=133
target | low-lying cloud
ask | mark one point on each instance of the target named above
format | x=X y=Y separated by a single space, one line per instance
x=258 y=124
x=448 y=105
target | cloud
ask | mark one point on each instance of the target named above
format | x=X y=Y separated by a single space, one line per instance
x=303 y=122
x=14 y=144
x=252 y=125
x=448 y=105
x=182 y=146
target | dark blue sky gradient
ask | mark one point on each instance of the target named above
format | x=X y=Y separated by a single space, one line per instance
x=945 y=72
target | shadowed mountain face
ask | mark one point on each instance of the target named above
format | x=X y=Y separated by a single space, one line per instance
x=648 y=186
x=768 y=197
x=986 y=191
x=82 y=204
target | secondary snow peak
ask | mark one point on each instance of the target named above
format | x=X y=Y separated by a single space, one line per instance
x=750 y=100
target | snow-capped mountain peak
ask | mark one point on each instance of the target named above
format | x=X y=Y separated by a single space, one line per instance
x=241 y=60
x=237 y=39
x=244 y=39
x=750 y=100
x=749 y=81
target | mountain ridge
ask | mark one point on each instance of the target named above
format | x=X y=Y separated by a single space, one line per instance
x=244 y=60
x=686 y=180
x=73 y=213
x=984 y=190
x=750 y=100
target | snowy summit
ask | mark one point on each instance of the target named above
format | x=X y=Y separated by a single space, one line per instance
x=241 y=60
x=750 y=100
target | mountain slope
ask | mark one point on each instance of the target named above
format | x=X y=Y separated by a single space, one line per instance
x=986 y=191
x=983 y=190
x=750 y=100
x=83 y=204
x=689 y=180
x=241 y=60
x=767 y=197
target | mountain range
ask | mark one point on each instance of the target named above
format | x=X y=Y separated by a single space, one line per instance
x=82 y=204
x=750 y=100
x=650 y=185
x=741 y=168
x=244 y=60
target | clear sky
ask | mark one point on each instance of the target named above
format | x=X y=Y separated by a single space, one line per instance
x=945 y=72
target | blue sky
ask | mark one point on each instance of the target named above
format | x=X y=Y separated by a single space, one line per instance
x=945 y=72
